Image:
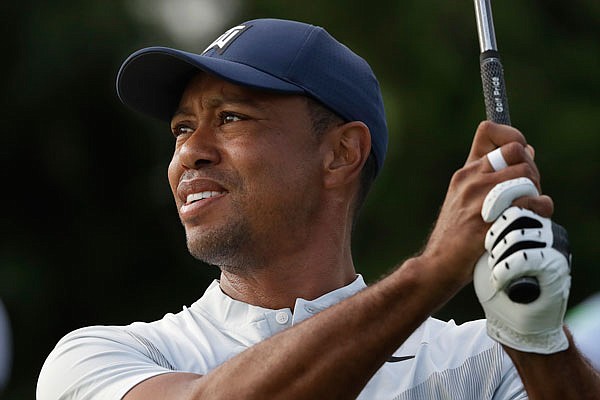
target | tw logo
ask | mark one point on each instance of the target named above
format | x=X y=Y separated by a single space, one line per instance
x=225 y=39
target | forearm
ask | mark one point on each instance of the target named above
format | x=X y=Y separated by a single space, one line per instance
x=562 y=375
x=335 y=353
x=331 y=355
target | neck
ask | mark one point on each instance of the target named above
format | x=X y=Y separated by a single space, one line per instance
x=311 y=261
x=322 y=264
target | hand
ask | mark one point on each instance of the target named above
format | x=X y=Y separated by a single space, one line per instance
x=456 y=241
x=521 y=243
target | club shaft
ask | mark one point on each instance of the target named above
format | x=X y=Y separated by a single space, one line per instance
x=485 y=26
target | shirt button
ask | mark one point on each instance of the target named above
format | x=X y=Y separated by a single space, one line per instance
x=310 y=309
x=282 y=317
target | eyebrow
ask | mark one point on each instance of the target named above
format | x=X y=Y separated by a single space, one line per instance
x=215 y=102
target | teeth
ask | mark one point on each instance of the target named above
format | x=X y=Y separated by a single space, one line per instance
x=200 y=196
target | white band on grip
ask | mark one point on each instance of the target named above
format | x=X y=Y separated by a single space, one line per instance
x=496 y=159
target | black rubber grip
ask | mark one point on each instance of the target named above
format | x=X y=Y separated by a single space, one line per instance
x=523 y=290
x=494 y=88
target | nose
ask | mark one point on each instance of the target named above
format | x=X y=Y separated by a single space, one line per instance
x=199 y=149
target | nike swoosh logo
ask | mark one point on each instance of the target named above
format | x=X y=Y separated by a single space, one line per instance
x=393 y=359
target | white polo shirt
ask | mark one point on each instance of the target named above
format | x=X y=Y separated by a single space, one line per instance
x=105 y=362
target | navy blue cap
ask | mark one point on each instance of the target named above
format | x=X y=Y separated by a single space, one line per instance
x=268 y=54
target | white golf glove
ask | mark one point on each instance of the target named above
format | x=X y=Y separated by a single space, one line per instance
x=520 y=244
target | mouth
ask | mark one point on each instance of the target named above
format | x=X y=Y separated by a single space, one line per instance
x=195 y=197
x=196 y=202
x=196 y=194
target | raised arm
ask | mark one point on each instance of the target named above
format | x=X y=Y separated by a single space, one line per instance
x=563 y=375
x=331 y=355
x=335 y=353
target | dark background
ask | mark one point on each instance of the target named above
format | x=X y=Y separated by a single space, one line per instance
x=90 y=234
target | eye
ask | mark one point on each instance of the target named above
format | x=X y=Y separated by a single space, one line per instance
x=227 y=117
x=181 y=129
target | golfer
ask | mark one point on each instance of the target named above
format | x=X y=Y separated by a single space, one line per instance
x=279 y=131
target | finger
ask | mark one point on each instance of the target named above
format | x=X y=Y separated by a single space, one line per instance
x=517 y=164
x=519 y=264
x=541 y=205
x=496 y=160
x=546 y=265
x=518 y=240
x=484 y=288
x=521 y=170
x=501 y=197
x=490 y=135
x=531 y=151
x=511 y=154
x=520 y=220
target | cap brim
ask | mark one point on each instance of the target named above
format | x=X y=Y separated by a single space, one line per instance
x=153 y=79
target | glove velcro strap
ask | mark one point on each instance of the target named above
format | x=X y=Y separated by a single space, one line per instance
x=546 y=343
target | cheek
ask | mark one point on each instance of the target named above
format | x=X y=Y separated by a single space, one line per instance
x=173 y=173
x=283 y=178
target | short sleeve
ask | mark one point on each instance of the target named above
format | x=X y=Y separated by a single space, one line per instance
x=99 y=362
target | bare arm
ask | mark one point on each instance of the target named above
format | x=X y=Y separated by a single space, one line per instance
x=335 y=353
x=331 y=355
x=563 y=375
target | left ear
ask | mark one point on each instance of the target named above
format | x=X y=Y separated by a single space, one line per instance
x=349 y=147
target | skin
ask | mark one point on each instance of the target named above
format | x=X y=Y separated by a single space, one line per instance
x=272 y=148
x=254 y=147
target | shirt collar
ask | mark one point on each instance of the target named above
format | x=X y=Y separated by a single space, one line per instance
x=232 y=314
x=306 y=308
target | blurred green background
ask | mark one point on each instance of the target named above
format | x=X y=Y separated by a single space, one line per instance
x=90 y=234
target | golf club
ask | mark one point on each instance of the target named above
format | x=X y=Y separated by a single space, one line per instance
x=525 y=289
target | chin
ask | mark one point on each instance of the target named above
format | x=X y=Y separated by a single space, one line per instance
x=223 y=246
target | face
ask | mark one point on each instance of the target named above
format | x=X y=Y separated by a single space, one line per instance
x=245 y=172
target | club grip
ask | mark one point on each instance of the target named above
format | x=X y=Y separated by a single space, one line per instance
x=526 y=289
x=494 y=88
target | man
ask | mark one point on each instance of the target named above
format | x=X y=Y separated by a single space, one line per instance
x=279 y=130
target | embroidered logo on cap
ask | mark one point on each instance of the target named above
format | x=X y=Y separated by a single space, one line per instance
x=223 y=41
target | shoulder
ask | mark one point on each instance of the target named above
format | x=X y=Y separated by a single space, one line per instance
x=85 y=362
x=106 y=361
